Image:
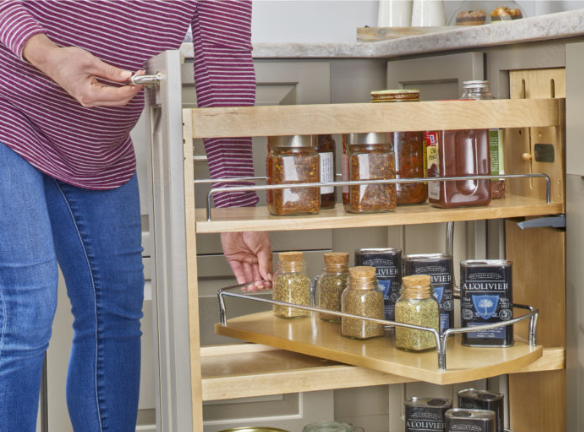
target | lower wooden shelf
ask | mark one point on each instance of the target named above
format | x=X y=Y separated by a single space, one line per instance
x=258 y=218
x=246 y=370
x=314 y=337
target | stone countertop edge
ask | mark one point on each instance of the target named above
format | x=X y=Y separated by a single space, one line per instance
x=540 y=28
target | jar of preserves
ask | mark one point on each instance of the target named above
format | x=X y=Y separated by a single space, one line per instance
x=291 y=285
x=326 y=149
x=416 y=306
x=480 y=90
x=408 y=148
x=293 y=159
x=370 y=157
x=364 y=298
x=331 y=284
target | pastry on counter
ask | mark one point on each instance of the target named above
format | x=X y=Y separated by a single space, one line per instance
x=471 y=18
x=505 y=14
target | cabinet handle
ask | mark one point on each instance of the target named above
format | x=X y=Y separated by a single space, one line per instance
x=147 y=80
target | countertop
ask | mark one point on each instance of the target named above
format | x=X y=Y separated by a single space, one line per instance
x=544 y=27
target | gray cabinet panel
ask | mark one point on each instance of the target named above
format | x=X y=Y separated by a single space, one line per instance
x=574 y=108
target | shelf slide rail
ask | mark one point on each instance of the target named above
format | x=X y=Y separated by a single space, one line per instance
x=248 y=188
x=441 y=339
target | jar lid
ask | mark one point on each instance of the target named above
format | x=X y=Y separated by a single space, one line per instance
x=475 y=84
x=336 y=258
x=399 y=95
x=362 y=272
x=293 y=141
x=328 y=427
x=290 y=256
x=367 y=138
x=416 y=281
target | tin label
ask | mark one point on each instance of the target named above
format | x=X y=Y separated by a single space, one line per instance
x=485 y=297
x=388 y=271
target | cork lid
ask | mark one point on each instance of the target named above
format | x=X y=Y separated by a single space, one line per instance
x=362 y=272
x=336 y=258
x=290 y=256
x=416 y=281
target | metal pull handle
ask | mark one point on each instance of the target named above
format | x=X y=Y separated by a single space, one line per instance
x=147 y=80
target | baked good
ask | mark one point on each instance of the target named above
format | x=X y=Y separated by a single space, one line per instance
x=471 y=18
x=505 y=14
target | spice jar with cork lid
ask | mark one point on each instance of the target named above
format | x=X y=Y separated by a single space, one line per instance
x=370 y=157
x=408 y=148
x=291 y=285
x=416 y=306
x=331 y=284
x=364 y=298
x=293 y=159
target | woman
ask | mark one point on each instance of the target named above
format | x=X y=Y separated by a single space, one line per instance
x=68 y=188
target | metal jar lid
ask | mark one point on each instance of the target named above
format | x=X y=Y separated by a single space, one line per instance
x=475 y=84
x=485 y=263
x=427 y=257
x=328 y=427
x=367 y=138
x=428 y=402
x=399 y=95
x=377 y=251
x=483 y=395
x=293 y=141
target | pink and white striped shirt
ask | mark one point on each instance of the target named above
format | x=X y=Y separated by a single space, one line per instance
x=91 y=147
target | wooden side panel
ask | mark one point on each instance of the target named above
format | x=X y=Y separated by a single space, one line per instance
x=525 y=154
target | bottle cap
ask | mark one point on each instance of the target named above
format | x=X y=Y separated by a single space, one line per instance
x=362 y=272
x=290 y=256
x=336 y=258
x=416 y=281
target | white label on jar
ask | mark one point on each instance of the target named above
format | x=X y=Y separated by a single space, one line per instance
x=327 y=173
x=434 y=190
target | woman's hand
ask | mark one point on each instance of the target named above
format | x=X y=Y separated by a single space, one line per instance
x=77 y=70
x=250 y=256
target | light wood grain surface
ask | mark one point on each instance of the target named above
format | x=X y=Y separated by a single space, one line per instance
x=375 y=34
x=313 y=337
x=258 y=218
x=374 y=117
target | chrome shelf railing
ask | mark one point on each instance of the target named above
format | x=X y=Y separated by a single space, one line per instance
x=441 y=339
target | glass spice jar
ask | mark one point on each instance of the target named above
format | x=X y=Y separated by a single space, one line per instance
x=416 y=306
x=408 y=148
x=480 y=90
x=326 y=149
x=331 y=284
x=370 y=157
x=293 y=159
x=291 y=285
x=364 y=298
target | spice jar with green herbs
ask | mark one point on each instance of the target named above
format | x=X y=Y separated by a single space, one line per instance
x=364 y=298
x=292 y=160
x=416 y=306
x=370 y=157
x=331 y=284
x=291 y=285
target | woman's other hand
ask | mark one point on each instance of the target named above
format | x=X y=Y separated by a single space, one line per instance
x=250 y=256
x=77 y=70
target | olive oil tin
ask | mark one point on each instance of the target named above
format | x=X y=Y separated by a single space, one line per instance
x=485 y=400
x=486 y=298
x=440 y=269
x=388 y=270
x=426 y=414
x=470 y=420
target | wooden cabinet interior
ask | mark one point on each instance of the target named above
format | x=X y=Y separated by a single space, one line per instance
x=225 y=382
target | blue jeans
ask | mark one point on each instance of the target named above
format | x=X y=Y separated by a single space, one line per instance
x=95 y=236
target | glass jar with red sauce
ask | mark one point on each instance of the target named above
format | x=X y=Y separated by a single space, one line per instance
x=408 y=149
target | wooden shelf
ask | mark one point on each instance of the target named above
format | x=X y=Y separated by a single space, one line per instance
x=258 y=218
x=314 y=337
x=245 y=370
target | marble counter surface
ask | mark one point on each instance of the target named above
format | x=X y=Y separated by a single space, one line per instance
x=545 y=27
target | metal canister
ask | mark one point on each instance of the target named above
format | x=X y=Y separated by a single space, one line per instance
x=486 y=298
x=461 y=419
x=388 y=270
x=426 y=414
x=484 y=400
x=441 y=271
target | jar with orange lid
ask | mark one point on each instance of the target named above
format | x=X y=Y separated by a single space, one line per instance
x=331 y=284
x=416 y=306
x=364 y=298
x=291 y=285
x=408 y=148
x=370 y=157
x=291 y=160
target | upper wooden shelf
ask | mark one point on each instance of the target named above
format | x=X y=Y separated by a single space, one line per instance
x=314 y=337
x=370 y=117
x=258 y=218
x=245 y=370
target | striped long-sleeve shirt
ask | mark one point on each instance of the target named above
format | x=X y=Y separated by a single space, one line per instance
x=91 y=147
